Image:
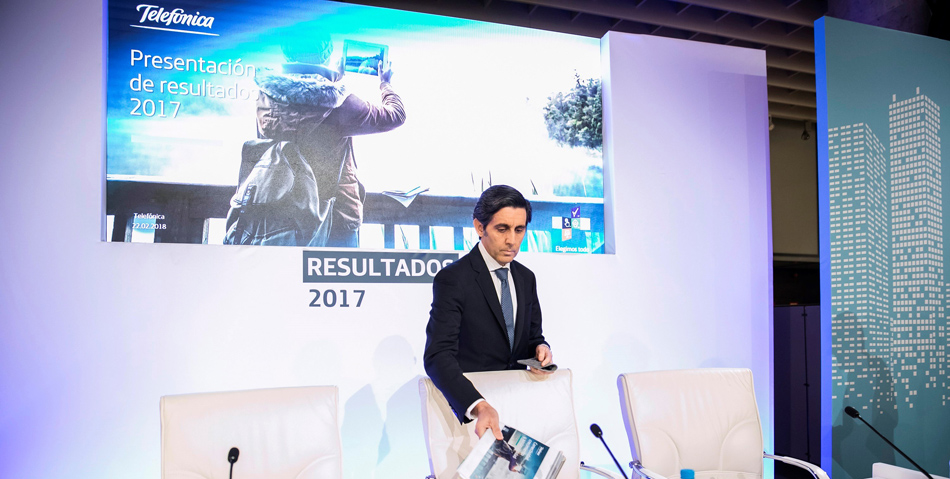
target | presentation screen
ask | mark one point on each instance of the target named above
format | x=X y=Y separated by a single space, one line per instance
x=329 y=124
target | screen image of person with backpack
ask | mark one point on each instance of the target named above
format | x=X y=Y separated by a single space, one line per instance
x=298 y=182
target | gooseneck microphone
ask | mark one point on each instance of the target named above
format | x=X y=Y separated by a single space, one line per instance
x=855 y=414
x=233 y=456
x=594 y=428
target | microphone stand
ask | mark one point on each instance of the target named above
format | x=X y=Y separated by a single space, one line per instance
x=599 y=434
x=855 y=414
x=232 y=458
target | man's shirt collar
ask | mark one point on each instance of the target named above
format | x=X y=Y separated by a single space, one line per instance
x=489 y=261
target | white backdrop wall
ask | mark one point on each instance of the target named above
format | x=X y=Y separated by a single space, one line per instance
x=92 y=333
x=686 y=137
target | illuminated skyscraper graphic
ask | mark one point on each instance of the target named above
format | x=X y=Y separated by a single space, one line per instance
x=918 y=289
x=860 y=252
x=896 y=85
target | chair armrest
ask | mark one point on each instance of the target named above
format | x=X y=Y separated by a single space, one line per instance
x=645 y=473
x=600 y=472
x=815 y=471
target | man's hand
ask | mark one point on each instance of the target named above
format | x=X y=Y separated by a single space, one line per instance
x=339 y=69
x=384 y=75
x=543 y=354
x=486 y=417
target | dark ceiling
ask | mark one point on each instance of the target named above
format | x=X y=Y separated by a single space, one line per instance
x=783 y=28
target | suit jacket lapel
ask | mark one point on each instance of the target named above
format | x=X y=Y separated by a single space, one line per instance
x=487 y=286
x=520 y=291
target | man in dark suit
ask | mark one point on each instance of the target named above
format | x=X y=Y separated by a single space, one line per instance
x=485 y=313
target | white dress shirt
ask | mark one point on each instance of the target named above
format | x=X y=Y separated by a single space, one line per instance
x=492 y=266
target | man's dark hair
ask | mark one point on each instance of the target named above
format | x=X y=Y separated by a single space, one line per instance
x=496 y=198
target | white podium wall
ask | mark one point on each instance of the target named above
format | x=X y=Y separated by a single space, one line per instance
x=686 y=142
x=92 y=333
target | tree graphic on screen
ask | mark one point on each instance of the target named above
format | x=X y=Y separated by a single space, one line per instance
x=575 y=118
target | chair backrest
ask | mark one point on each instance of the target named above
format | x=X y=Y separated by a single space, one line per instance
x=541 y=406
x=701 y=419
x=286 y=432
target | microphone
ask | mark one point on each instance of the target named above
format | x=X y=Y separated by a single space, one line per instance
x=855 y=414
x=594 y=428
x=233 y=457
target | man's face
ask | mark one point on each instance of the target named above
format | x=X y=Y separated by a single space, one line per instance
x=502 y=236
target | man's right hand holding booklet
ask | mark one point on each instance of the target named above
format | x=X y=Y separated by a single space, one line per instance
x=514 y=455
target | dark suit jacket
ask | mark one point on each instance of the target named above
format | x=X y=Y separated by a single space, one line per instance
x=466 y=330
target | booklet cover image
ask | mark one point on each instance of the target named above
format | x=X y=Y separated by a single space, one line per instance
x=518 y=456
x=347 y=126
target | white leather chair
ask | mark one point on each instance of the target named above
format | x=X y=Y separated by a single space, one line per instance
x=701 y=419
x=280 y=433
x=540 y=406
x=881 y=470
